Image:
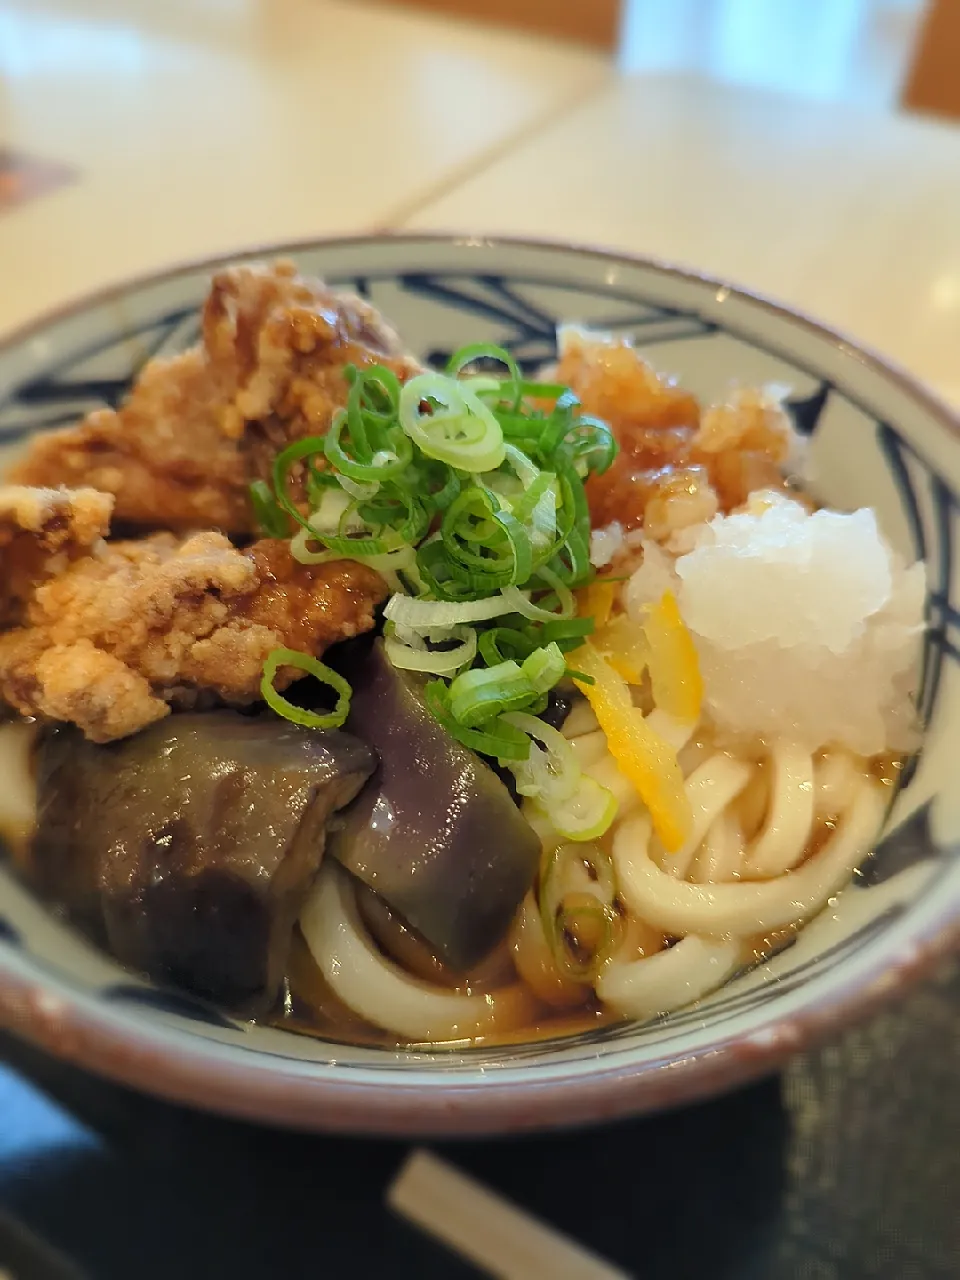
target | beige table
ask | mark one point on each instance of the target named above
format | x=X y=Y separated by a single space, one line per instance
x=198 y=125
x=201 y=125
x=851 y=215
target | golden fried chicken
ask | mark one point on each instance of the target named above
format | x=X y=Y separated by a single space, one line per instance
x=134 y=628
x=53 y=519
x=41 y=530
x=678 y=464
x=198 y=427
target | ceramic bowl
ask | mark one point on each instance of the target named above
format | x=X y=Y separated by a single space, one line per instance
x=875 y=438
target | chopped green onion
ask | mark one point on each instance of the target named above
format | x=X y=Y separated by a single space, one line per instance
x=448 y=490
x=270 y=516
x=476 y=519
x=579 y=676
x=561 y=629
x=466 y=356
x=550 y=773
x=590 y=443
x=438 y=662
x=544 y=667
x=578 y=888
x=375 y=384
x=587 y=814
x=282 y=463
x=485 y=692
x=526 y=471
x=497 y=738
x=566 y=926
x=302 y=553
x=385 y=463
x=500 y=643
x=543 y=390
x=466 y=491
x=519 y=602
x=278 y=658
x=422 y=614
x=457 y=428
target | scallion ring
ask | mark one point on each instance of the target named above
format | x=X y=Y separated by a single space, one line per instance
x=457 y=427
x=384 y=463
x=469 y=355
x=484 y=693
x=438 y=662
x=278 y=658
x=282 y=463
x=497 y=738
x=424 y=614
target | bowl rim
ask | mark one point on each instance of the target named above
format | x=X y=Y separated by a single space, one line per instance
x=137 y=1054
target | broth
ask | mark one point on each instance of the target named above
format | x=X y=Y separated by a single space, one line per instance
x=309 y=1006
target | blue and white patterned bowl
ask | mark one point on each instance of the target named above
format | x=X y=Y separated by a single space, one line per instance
x=876 y=439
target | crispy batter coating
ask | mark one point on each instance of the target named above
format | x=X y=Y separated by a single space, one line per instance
x=54 y=518
x=197 y=428
x=41 y=530
x=135 y=628
x=678 y=465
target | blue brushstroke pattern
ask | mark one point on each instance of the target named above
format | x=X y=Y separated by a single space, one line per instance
x=164 y=1001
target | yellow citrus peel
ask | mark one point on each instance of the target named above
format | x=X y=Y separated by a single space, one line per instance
x=625 y=647
x=596 y=602
x=643 y=757
x=674 y=669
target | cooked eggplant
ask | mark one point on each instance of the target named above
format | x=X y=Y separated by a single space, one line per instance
x=189 y=848
x=436 y=833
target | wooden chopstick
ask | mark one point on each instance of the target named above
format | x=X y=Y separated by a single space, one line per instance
x=487 y=1230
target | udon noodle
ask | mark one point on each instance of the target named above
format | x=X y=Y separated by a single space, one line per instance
x=669 y=702
x=685 y=922
x=787 y=771
x=778 y=827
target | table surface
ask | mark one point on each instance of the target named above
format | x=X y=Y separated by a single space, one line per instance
x=321 y=116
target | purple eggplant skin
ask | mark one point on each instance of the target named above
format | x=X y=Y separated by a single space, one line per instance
x=188 y=849
x=435 y=833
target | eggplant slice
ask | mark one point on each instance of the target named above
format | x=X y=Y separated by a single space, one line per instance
x=189 y=848
x=436 y=834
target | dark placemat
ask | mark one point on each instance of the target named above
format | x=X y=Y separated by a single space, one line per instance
x=846 y=1166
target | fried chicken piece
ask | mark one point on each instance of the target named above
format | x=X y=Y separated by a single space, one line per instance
x=678 y=465
x=54 y=518
x=40 y=531
x=162 y=454
x=135 y=628
x=613 y=383
x=198 y=427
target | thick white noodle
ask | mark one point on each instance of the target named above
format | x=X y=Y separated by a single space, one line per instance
x=721 y=854
x=675 y=733
x=607 y=773
x=380 y=991
x=835 y=779
x=786 y=830
x=589 y=748
x=669 y=979
x=575 y=878
x=581 y=720
x=711 y=787
x=535 y=963
x=745 y=908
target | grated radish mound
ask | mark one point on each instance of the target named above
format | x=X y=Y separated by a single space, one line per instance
x=806 y=625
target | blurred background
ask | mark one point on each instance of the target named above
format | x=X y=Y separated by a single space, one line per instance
x=737 y=136
x=806 y=148
x=855 y=50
